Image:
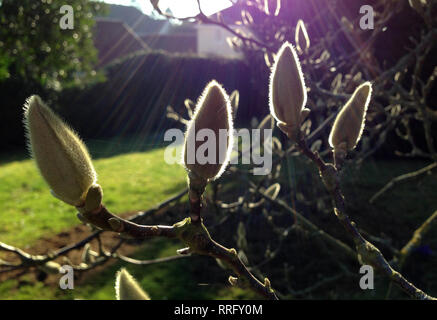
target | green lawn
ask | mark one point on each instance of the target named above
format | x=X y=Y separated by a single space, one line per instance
x=133 y=181
x=191 y=278
x=140 y=179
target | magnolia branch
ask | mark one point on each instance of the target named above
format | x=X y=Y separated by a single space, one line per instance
x=332 y=241
x=194 y=235
x=416 y=240
x=28 y=260
x=367 y=252
x=403 y=178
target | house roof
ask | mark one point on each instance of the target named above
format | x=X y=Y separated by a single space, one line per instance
x=138 y=21
x=143 y=24
x=114 y=39
x=172 y=42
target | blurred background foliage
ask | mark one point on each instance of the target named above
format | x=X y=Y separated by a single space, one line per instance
x=38 y=57
x=35 y=49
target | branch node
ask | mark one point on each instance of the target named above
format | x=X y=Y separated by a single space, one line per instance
x=233 y=252
x=233 y=281
x=116 y=224
x=267 y=284
x=184 y=251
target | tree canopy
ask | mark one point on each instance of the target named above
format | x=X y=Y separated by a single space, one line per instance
x=35 y=49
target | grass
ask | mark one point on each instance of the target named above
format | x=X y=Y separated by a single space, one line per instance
x=182 y=279
x=138 y=180
x=133 y=181
x=393 y=218
x=192 y=278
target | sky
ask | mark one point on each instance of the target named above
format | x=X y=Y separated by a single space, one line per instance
x=180 y=8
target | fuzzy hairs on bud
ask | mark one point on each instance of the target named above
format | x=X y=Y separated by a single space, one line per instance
x=61 y=157
x=127 y=288
x=287 y=91
x=349 y=124
x=301 y=37
x=272 y=7
x=214 y=113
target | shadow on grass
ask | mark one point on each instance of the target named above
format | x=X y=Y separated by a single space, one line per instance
x=98 y=148
x=106 y=148
x=192 y=278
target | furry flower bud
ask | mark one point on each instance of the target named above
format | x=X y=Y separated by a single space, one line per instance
x=301 y=37
x=287 y=92
x=349 y=124
x=272 y=7
x=233 y=281
x=127 y=288
x=62 y=158
x=418 y=5
x=212 y=124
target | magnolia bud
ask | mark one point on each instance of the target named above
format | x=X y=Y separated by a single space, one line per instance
x=349 y=124
x=349 y=26
x=235 y=101
x=233 y=281
x=272 y=7
x=418 y=5
x=127 y=288
x=212 y=117
x=288 y=92
x=60 y=155
x=267 y=123
x=267 y=283
x=273 y=190
x=301 y=37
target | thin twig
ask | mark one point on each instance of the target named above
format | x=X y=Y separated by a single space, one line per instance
x=368 y=253
x=402 y=178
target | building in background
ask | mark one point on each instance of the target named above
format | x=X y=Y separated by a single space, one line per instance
x=114 y=39
x=126 y=30
x=212 y=41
